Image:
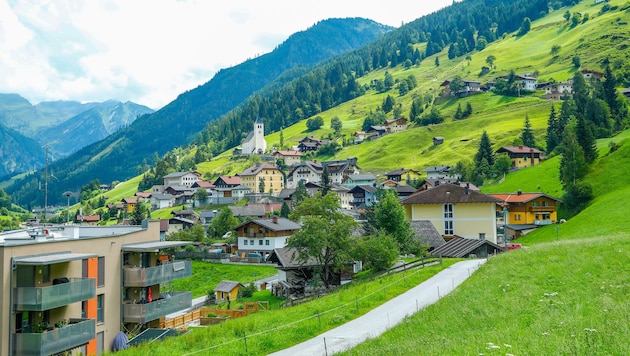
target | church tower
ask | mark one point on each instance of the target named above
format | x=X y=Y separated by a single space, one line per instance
x=260 y=144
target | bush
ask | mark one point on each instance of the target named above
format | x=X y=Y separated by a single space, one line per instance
x=247 y=291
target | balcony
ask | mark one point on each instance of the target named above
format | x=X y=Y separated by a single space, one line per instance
x=144 y=277
x=55 y=296
x=543 y=222
x=79 y=332
x=143 y=313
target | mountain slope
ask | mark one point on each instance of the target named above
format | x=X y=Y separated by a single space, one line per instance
x=117 y=156
x=18 y=153
x=90 y=126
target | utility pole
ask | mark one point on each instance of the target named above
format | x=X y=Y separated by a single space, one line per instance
x=46 y=187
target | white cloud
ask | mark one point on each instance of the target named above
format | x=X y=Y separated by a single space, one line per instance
x=151 y=51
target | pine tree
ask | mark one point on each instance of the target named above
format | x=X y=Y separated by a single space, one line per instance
x=586 y=139
x=485 y=151
x=610 y=91
x=552 y=130
x=573 y=166
x=580 y=93
x=299 y=195
x=285 y=210
x=325 y=181
x=528 y=135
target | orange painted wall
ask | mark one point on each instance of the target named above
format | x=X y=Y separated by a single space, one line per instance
x=90 y=313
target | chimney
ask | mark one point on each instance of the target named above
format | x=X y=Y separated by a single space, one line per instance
x=520 y=147
x=466 y=189
x=437 y=182
x=275 y=219
x=518 y=192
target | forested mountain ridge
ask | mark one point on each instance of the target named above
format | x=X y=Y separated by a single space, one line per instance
x=118 y=156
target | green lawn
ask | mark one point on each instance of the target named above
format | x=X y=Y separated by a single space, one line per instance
x=206 y=276
x=561 y=298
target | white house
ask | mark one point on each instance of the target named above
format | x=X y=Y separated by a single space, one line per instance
x=263 y=235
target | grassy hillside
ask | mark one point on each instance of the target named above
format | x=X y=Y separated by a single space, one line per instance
x=561 y=298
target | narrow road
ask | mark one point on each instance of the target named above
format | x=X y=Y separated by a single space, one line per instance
x=386 y=316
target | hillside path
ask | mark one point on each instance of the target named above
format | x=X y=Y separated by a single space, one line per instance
x=387 y=315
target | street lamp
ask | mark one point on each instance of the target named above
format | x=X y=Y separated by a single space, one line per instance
x=68 y=195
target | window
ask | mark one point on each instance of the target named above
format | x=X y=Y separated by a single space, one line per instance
x=46 y=273
x=448 y=228
x=534 y=203
x=267 y=242
x=251 y=242
x=448 y=211
x=100 y=308
x=545 y=203
x=245 y=242
x=101 y=272
x=100 y=343
x=260 y=242
x=517 y=217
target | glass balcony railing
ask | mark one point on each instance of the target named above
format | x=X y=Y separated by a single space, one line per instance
x=77 y=333
x=55 y=296
x=168 y=304
x=144 y=277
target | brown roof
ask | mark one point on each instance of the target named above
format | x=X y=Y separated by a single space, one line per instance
x=519 y=149
x=131 y=200
x=288 y=257
x=520 y=197
x=230 y=180
x=203 y=184
x=255 y=169
x=89 y=218
x=143 y=194
x=449 y=193
x=289 y=153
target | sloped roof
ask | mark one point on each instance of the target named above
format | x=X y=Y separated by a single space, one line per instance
x=519 y=149
x=521 y=197
x=367 y=188
x=438 y=169
x=181 y=174
x=427 y=233
x=227 y=286
x=357 y=177
x=229 y=180
x=283 y=224
x=448 y=193
x=289 y=153
x=247 y=210
x=203 y=184
x=401 y=171
x=287 y=257
x=458 y=247
x=130 y=200
x=255 y=169
x=161 y=196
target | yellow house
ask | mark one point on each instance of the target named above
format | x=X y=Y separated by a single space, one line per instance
x=404 y=176
x=528 y=208
x=455 y=211
x=271 y=176
x=521 y=156
x=130 y=204
x=227 y=290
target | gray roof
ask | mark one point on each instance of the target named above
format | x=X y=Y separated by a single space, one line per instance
x=286 y=193
x=247 y=210
x=283 y=224
x=427 y=233
x=161 y=196
x=438 y=169
x=356 y=177
x=179 y=174
x=460 y=247
x=50 y=258
x=207 y=214
x=287 y=257
x=367 y=188
x=226 y=286
x=153 y=246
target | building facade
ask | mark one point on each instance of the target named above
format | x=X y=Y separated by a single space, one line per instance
x=69 y=288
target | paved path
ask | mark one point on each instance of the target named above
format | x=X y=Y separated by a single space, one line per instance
x=387 y=315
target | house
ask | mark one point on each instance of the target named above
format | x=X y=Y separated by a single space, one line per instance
x=396 y=125
x=404 y=176
x=359 y=179
x=440 y=172
x=247 y=211
x=311 y=171
x=310 y=143
x=263 y=235
x=527 y=82
x=178 y=224
x=270 y=208
x=161 y=201
x=376 y=131
x=426 y=232
x=186 y=214
x=458 y=247
x=227 y=290
x=143 y=196
x=470 y=87
x=360 y=136
x=362 y=196
x=588 y=74
x=557 y=91
x=206 y=216
x=402 y=190
x=455 y=211
x=185 y=179
x=229 y=195
x=268 y=173
x=129 y=204
x=438 y=140
x=527 y=208
x=288 y=157
x=255 y=142
x=227 y=182
x=343 y=193
x=202 y=184
x=74 y=288
x=295 y=277
x=521 y=156
x=88 y=219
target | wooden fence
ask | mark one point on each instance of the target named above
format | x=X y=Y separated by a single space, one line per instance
x=250 y=307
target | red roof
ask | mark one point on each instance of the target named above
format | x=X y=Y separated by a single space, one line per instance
x=203 y=184
x=289 y=153
x=520 y=198
x=89 y=218
x=131 y=200
x=143 y=194
x=236 y=180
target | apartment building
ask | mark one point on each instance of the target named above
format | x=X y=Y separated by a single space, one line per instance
x=73 y=288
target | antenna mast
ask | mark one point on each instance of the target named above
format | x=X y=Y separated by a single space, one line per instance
x=46 y=186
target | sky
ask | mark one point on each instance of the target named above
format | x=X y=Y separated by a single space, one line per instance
x=150 y=51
